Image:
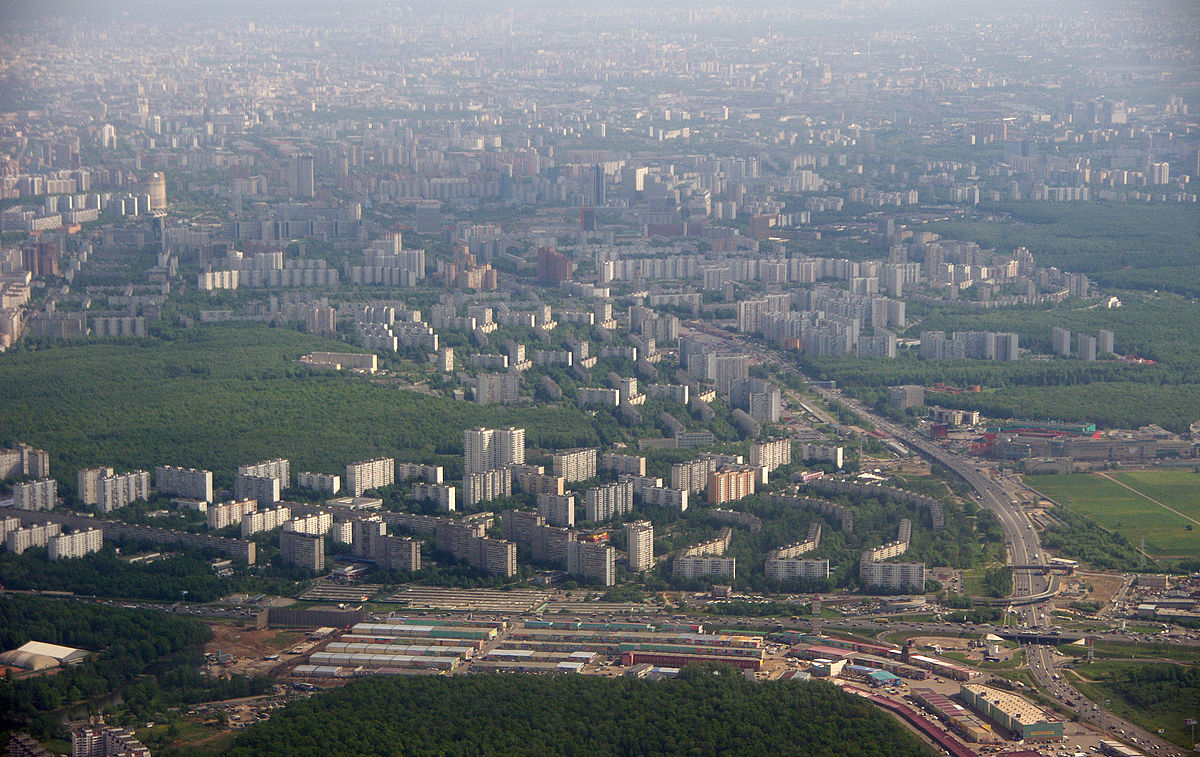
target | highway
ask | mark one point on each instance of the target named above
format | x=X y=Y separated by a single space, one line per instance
x=1045 y=670
x=1030 y=584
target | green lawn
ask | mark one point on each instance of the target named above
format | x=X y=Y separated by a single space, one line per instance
x=219 y=396
x=1178 y=489
x=1118 y=509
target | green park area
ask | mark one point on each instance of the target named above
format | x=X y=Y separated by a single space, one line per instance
x=1162 y=507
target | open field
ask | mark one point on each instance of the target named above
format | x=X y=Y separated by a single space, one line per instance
x=1177 y=489
x=1118 y=509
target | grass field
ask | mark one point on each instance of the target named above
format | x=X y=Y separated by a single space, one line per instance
x=1136 y=517
x=219 y=396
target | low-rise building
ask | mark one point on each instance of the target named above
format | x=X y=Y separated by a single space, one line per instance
x=1023 y=719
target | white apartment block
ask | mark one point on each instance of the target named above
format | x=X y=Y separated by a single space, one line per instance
x=821 y=453
x=320 y=482
x=576 y=465
x=662 y=496
x=692 y=476
x=264 y=489
x=431 y=474
x=608 y=501
x=771 y=454
x=791 y=568
x=896 y=576
x=303 y=550
x=633 y=465
x=87 y=484
x=123 y=490
x=78 y=544
x=557 y=509
x=443 y=496
x=487 y=448
x=36 y=495
x=229 y=513
x=264 y=520
x=591 y=396
x=20 y=539
x=317 y=523
x=639 y=537
x=370 y=474
x=22 y=460
x=278 y=468
x=885 y=551
x=487 y=485
x=184 y=482
x=697 y=567
x=594 y=561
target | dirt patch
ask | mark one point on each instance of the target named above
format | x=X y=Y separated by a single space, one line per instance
x=1104 y=585
x=250 y=647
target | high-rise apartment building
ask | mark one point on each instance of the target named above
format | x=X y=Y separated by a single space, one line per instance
x=23 y=461
x=320 y=482
x=608 y=501
x=639 y=538
x=77 y=544
x=36 y=495
x=20 y=539
x=303 y=550
x=1061 y=340
x=575 y=464
x=487 y=485
x=184 y=482
x=370 y=474
x=87 y=484
x=592 y=561
x=486 y=448
x=122 y=490
x=557 y=509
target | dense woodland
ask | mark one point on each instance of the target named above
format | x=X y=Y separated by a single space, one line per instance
x=700 y=714
x=149 y=658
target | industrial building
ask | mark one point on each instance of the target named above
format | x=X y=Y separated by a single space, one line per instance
x=1021 y=718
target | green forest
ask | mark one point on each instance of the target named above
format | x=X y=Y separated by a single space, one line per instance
x=151 y=659
x=223 y=395
x=698 y=714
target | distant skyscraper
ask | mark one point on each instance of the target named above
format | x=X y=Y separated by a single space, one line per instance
x=1105 y=346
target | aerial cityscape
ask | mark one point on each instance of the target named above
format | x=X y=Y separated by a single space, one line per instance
x=547 y=378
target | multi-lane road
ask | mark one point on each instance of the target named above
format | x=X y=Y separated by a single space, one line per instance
x=1043 y=665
